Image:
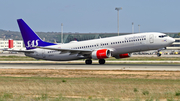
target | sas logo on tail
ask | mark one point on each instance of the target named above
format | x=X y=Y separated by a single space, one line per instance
x=33 y=43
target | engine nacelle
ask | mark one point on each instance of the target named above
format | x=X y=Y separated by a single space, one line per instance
x=126 y=55
x=101 y=54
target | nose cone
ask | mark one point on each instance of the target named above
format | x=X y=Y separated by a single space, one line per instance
x=171 y=40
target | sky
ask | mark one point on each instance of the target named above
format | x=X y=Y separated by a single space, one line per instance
x=91 y=16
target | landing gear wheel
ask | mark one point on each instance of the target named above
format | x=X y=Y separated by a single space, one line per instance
x=158 y=54
x=102 y=61
x=88 y=61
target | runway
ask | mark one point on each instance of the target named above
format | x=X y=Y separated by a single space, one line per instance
x=82 y=66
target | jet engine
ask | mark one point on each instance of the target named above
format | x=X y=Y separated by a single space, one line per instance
x=101 y=54
x=126 y=55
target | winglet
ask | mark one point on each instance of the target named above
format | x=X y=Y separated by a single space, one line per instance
x=31 y=39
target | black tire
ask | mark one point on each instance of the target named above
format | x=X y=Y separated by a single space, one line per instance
x=88 y=61
x=102 y=61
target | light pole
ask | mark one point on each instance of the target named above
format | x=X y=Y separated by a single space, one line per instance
x=132 y=28
x=118 y=17
x=61 y=33
x=139 y=28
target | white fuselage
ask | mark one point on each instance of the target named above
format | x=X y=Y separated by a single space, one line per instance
x=118 y=45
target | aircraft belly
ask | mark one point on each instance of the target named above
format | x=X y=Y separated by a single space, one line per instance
x=56 y=57
x=62 y=57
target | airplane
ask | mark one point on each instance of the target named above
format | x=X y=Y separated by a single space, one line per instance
x=99 y=49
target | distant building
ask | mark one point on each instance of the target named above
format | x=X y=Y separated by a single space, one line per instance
x=17 y=44
x=175 y=45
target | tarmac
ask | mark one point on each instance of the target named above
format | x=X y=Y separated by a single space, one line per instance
x=80 y=65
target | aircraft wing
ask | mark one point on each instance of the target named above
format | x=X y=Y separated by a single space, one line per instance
x=71 y=51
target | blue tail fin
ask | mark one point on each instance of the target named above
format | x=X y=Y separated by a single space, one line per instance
x=31 y=40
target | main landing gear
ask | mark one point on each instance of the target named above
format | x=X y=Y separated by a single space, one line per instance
x=89 y=61
x=159 y=53
x=102 y=61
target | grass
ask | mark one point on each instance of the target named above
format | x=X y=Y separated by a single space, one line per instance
x=92 y=89
x=145 y=92
x=177 y=93
x=68 y=85
x=135 y=90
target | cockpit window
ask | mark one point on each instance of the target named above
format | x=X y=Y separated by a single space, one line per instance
x=162 y=36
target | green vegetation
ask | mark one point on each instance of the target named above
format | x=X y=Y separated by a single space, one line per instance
x=178 y=34
x=48 y=36
x=178 y=93
x=56 y=36
x=87 y=89
x=135 y=90
x=63 y=80
x=145 y=92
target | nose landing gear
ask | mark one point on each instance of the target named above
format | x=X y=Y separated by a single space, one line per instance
x=159 y=54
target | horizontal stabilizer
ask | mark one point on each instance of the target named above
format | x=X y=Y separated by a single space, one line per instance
x=24 y=51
